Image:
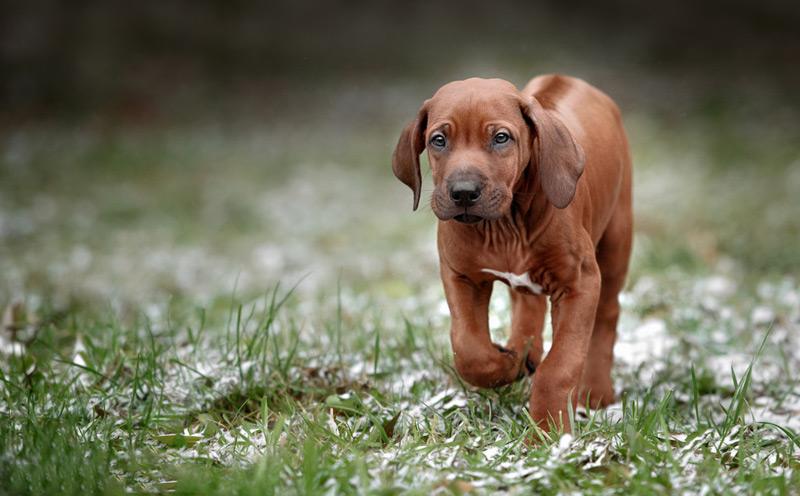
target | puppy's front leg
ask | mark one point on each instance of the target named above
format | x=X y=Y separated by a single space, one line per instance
x=558 y=378
x=478 y=361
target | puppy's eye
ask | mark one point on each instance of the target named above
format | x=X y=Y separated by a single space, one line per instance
x=501 y=138
x=438 y=141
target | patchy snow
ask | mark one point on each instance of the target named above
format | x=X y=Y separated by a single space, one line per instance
x=643 y=347
x=668 y=324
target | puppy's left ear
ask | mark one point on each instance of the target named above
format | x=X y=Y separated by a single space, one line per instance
x=561 y=158
x=405 y=160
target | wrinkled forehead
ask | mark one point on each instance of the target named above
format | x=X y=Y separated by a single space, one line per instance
x=476 y=101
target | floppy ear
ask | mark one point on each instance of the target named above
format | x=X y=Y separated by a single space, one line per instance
x=561 y=158
x=405 y=160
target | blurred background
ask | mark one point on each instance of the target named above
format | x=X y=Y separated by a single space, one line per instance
x=154 y=62
x=151 y=150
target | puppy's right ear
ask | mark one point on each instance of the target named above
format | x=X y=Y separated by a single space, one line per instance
x=405 y=160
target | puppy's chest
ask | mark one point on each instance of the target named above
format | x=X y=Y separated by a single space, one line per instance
x=519 y=282
x=521 y=271
x=526 y=267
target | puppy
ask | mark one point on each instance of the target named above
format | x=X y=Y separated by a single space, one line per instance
x=531 y=188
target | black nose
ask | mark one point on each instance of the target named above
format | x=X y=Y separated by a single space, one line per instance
x=465 y=193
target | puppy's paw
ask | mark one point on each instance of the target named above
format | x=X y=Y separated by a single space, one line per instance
x=490 y=367
x=528 y=367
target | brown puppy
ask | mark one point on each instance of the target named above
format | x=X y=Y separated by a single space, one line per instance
x=532 y=188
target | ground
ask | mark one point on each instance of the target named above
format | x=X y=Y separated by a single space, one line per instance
x=253 y=307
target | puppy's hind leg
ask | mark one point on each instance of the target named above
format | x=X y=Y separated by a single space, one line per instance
x=613 y=253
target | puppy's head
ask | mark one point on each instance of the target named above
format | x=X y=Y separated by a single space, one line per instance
x=479 y=135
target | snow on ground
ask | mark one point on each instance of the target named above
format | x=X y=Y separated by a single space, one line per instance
x=646 y=346
x=322 y=243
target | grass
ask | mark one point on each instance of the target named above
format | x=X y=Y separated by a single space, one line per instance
x=132 y=409
x=190 y=313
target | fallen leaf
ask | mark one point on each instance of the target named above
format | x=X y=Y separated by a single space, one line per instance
x=388 y=427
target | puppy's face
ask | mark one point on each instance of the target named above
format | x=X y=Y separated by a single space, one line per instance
x=478 y=143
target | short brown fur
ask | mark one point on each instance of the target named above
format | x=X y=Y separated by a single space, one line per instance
x=554 y=204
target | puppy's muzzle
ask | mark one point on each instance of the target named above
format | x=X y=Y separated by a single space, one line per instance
x=464 y=192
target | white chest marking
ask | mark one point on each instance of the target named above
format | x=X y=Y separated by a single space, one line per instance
x=517 y=281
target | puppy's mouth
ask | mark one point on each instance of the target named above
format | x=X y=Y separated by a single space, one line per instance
x=466 y=218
